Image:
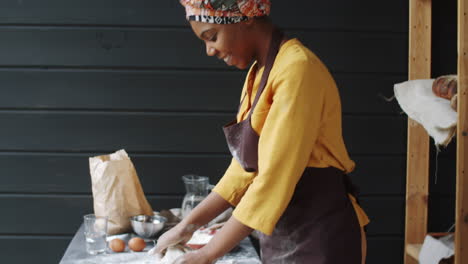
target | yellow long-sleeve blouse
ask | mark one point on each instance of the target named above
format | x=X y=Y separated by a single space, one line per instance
x=298 y=118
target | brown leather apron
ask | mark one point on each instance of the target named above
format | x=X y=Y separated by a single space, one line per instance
x=319 y=226
x=241 y=138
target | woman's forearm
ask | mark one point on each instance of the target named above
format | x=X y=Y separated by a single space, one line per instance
x=226 y=239
x=208 y=209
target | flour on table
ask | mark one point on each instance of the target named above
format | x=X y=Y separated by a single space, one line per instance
x=119 y=258
x=200 y=237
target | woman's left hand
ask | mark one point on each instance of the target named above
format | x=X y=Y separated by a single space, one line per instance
x=194 y=257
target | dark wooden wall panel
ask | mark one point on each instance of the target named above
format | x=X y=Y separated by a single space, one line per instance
x=121 y=90
x=33 y=249
x=442 y=170
x=64 y=213
x=386 y=250
x=444 y=38
x=69 y=172
x=141 y=90
x=386 y=215
x=319 y=14
x=179 y=48
x=59 y=214
x=441 y=213
x=162 y=132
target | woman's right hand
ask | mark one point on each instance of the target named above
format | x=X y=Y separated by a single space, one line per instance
x=179 y=234
x=209 y=208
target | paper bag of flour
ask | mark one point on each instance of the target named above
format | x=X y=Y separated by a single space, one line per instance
x=117 y=192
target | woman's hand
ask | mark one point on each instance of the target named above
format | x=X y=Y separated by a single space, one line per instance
x=209 y=208
x=179 y=234
x=194 y=257
x=224 y=240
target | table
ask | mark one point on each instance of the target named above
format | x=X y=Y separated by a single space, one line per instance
x=76 y=253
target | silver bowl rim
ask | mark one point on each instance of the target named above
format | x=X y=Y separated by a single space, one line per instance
x=151 y=218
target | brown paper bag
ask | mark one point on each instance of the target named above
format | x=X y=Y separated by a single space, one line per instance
x=117 y=192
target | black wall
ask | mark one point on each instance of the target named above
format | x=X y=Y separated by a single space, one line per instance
x=83 y=78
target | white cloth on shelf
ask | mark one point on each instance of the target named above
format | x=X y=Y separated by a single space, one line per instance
x=434 y=113
x=434 y=250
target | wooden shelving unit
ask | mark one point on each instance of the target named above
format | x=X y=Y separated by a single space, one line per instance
x=417 y=190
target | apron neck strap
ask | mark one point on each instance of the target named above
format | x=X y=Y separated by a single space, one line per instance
x=275 y=42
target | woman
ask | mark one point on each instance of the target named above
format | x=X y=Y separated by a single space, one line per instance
x=287 y=176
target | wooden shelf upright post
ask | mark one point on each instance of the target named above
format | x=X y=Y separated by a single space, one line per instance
x=417 y=180
x=461 y=214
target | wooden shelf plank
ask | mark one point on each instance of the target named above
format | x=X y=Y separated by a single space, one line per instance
x=417 y=185
x=461 y=214
x=413 y=250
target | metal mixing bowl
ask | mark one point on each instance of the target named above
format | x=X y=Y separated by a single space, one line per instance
x=147 y=226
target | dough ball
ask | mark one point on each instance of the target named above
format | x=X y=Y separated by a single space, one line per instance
x=172 y=254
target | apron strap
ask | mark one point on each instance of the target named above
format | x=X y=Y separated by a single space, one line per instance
x=276 y=38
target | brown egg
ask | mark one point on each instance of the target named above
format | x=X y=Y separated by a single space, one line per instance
x=117 y=245
x=137 y=244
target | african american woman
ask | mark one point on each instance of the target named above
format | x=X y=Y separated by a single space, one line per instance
x=288 y=175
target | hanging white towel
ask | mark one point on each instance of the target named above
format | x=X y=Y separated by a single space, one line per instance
x=433 y=113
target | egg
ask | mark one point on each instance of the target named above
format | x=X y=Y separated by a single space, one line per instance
x=117 y=245
x=137 y=244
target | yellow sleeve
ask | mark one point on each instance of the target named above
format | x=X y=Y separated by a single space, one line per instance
x=286 y=140
x=234 y=183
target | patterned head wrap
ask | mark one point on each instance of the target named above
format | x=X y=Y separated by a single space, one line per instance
x=225 y=11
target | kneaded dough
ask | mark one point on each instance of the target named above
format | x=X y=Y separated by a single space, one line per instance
x=172 y=253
